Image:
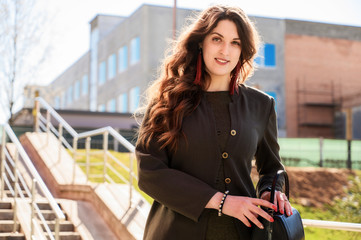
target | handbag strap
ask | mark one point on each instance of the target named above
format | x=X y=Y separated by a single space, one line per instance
x=287 y=186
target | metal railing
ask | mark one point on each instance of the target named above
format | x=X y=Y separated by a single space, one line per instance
x=45 y=124
x=13 y=179
x=346 y=226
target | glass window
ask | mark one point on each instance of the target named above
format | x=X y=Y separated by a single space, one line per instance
x=70 y=95
x=266 y=56
x=76 y=90
x=84 y=85
x=102 y=73
x=63 y=100
x=112 y=66
x=123 y=103
x=57 y=102
x=101 y=108
x=112 y=105
x=134 y=50
x=134 y=99
x=123 y=58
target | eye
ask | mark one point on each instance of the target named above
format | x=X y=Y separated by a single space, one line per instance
x=216 y=39
x=236 y=43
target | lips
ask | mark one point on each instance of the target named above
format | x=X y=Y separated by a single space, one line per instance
x=221 y=61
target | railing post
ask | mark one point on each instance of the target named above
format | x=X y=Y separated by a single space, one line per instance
x=3 y=144
x=87 y=157
x=32 y=216
x=36 y=114
x=75 y=147
x=321 y=151
x=16 y=183
x=47 y=121
x=131 y=160
x=60 y=137
x=57 y=228
x=105 y=155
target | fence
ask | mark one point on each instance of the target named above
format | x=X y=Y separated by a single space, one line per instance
x=305 y=152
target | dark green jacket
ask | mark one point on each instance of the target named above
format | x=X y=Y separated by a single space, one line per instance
x=182 y=183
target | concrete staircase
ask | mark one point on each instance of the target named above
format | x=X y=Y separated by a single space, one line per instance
x=7 y=223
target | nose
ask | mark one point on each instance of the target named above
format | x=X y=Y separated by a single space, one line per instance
x=225 y=49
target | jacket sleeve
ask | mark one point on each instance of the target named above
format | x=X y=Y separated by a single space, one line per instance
x=175 y=189
x=268 y=161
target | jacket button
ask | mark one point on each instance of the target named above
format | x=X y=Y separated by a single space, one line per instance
x=228 y=180
x=233 y=132
x=225 y=155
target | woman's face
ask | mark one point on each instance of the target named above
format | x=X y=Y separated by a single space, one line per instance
x=221 y=50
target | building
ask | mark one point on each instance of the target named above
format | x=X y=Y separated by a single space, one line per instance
x=295 y=58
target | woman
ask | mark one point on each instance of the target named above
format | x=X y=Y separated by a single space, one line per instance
x=201 y=130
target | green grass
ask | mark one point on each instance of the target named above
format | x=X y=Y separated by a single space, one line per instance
x=98 y=157
x=343 y=210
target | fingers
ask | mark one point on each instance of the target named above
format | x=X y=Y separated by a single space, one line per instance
x=283 y=203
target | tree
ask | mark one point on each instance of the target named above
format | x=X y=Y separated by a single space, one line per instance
x=22 y=50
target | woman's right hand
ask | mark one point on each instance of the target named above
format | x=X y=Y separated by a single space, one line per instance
x=247 y=209
x=243 y=208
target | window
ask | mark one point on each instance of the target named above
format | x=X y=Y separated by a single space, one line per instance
x=101 y=108
x=112 y=66
x=69 y=97
x=267 y=56
x=134 y=50
x=123 y=58
x=102 y=73
x=84 y=85
x=134 y=99
x=112 y=105
x=123 y=103
x=57 y=102
x=76 y=90
x=63 y=100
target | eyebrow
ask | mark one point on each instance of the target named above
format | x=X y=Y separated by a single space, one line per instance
x=223 y=36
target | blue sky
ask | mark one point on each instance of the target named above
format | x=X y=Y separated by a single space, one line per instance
x=71 y=20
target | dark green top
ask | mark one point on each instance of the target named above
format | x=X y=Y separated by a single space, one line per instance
x=223 y=227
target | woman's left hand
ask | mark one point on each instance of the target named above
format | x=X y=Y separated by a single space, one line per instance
x=280 y=201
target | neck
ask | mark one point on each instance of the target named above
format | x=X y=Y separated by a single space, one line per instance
x=218 y=84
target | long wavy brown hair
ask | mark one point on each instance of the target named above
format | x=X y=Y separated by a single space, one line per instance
x=173 y=95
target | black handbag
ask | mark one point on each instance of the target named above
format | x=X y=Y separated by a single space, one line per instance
x=284 y=227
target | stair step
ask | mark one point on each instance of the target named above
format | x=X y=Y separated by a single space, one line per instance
x=65 y=226
x=5 y=205
x=7 y=226
x=12 y=236
x=49 y=215
x=66 y=236
x=6 y=214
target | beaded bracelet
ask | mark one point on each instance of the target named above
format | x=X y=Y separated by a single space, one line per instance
x=222 y=202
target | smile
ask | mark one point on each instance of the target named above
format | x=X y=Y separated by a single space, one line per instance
x=222 y=61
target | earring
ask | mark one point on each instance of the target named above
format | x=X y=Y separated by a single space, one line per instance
x=197 y=80
x=232 y=84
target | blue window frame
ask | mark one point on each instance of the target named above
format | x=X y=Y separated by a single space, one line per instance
x=102 y=73
x=84 y=85
x=112 y=66
x=134 y=50
x=112 y=105
x=266 y=56
x=123 y=103
x=123 y=59
x=76 y=90
x=134 y=96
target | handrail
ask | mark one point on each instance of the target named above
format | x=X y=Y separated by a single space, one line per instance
x=346 y=226
x=7 y=130
x=105 y=131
